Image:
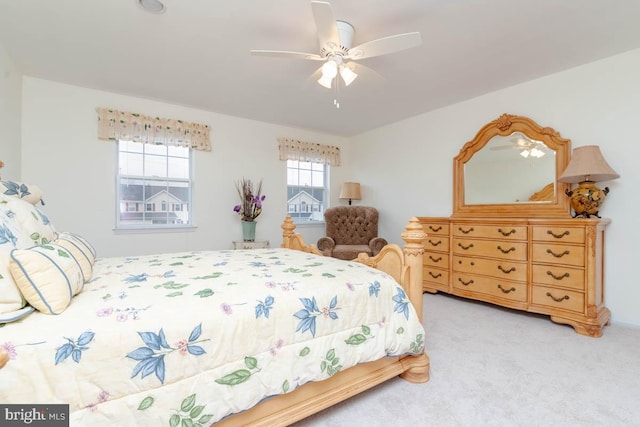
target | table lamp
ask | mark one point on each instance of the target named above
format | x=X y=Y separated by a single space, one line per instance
x=351 y=191
x=587 y=166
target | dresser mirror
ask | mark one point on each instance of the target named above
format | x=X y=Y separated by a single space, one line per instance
x=511 y=168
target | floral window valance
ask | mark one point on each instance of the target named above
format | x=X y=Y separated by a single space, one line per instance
x=291 y=149
x=121 y=125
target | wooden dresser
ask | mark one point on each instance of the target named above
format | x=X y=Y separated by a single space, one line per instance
x=511 y=239
x=549 y=266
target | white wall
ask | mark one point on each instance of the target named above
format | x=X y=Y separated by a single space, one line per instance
x=408 y=165
x=61 y=153
x=10 y=102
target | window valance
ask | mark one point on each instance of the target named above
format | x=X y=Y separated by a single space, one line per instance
x=291 y=149
x=122 y=125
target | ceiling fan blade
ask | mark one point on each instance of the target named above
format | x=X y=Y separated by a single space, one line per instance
x=385 y=45
x=286 y=54
x=506 y=147
x=326 y=26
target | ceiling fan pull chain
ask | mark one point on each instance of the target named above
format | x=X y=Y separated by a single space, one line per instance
x=335 y=99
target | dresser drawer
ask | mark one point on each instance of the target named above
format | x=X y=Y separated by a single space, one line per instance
x=491 y=248
x=436 y=243
x=502 y=269
x=432 y=228
x=439 y=276
x=566 y=277
x=436 y=259
x=558 y=298
x=558 y=254
x=515 y=291
x=502 y=232
x=558 y=234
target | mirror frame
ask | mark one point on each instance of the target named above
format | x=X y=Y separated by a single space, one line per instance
x=505 y=125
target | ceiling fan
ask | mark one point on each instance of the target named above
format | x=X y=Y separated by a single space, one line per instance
x=335 y=39
x=528 y=147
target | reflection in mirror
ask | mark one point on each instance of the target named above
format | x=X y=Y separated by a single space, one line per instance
x=511 y=169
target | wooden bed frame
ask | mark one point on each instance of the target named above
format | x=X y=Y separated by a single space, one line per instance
x=403 y=264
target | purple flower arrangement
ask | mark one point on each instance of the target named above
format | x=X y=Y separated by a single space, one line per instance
x=251 y=201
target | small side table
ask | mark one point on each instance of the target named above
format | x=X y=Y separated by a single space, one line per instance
x=257 y=244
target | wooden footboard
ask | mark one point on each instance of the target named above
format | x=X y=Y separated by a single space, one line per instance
x=405 y=265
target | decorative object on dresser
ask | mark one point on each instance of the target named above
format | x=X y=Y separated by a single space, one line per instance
x=522 y=252
x=351 y=191
x=351 y=230
x=587 y=166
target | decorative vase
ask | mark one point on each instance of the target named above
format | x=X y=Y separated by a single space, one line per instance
x=586 y=199
x=248 y=231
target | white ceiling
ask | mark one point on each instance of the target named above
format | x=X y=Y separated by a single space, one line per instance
x=196 y=54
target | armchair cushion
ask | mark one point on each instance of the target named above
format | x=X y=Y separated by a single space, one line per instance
x=351 y=230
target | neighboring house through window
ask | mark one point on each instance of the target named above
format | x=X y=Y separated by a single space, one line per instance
x=306 y=190
x=157 y=178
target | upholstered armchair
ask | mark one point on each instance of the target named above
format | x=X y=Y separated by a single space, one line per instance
x=351 y=230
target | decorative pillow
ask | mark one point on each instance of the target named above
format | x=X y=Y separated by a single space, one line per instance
x=81 y=250
x=47 y=275
x=28 y=192
x=11 y=300
x=30 y=219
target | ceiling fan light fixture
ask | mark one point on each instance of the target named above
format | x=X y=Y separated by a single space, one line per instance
x=330 y=69
x=325 y=81
x=347 y=74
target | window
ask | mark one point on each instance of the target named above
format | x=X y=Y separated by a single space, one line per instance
x=307 y=188
x=154 y=177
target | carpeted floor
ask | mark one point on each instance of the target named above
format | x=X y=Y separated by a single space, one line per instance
x=497 y=367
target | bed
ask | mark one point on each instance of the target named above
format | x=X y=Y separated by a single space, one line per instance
x=230 y=337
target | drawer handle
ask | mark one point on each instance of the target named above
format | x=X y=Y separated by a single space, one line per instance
x=467 y=231
x=435 y=230
x=435 y=243
x=506 y=271
x=558 y=277
x=557 y=299
x=435 y=259
x=506 y=291
x=435 y=276
x=465 y=247
x=465 y=283
x=506 y=233
x=506 y=251
x=549 y=251
x=558 y=236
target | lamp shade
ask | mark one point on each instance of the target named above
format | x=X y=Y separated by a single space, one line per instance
x=587 y=164
x=350 y=190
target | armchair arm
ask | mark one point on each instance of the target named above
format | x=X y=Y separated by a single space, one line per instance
x=376 y=244
x=326 y=245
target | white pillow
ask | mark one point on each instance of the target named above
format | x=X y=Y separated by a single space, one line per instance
x=30 y=219
x=11 y=300
x=48 y=276
x=28 y=192
x=81 y=250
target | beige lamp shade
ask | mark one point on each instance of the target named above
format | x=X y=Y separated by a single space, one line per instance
x=587 y=164
x=351 y=191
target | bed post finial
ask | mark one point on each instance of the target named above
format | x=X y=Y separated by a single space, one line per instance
x=414 y=237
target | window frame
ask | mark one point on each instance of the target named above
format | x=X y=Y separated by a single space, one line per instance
x=324 y=205
x=144 y=204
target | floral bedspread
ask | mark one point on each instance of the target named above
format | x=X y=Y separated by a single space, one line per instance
x=190 y=338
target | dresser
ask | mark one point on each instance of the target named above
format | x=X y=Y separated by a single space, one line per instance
x=548 y=266
x=512 y=239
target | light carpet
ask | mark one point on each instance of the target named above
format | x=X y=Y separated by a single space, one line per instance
x=492 y=366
